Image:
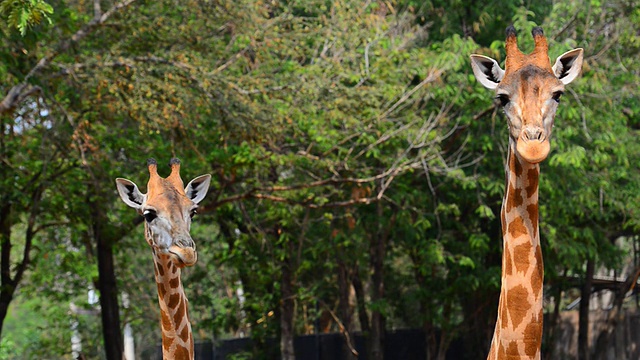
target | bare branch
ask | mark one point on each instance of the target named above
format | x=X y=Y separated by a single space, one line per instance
x=582 y=114
x=20 y=92
x=261 y=192
x=307 y=204
x=484 y=112
x=49 y=225
x=433 y=75
x=22 y=265
x=97 y=11
x=229 y=62
x=258 y=91
x=17 y=95
x=383 y=138
x=79 y=35
x=343 y=330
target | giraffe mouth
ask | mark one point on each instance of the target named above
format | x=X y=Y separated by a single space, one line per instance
x=183 y=256
x=533 y=151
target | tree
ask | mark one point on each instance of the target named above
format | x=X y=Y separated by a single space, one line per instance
x=357 y=169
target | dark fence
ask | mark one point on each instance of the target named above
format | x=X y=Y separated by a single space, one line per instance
x=398 y=345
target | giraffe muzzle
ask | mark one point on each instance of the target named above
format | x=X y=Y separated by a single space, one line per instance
x=533 y=145
x=183 y=256
x=184 y=251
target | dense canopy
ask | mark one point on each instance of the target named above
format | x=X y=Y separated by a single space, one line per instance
x=358 y=168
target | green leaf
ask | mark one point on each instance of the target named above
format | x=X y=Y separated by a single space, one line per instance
x=485 y=212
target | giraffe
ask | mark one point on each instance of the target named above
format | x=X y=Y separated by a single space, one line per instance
x=529 y=90
x=167 y=208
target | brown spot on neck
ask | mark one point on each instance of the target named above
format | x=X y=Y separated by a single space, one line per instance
x=507 y=262
x=517 y=305
x=511 y=351
x=178 y=318
x=517 y=167
x=521 y=256
x=532 y=210
x=513 y=198
x=537 y=277
x=162 y=291
x=165 y=321
x=184 y=334
x=533 y=337
x=174 y=283
x=533 y=176
x=174 y=299
x=517 y=228
x=181 y=353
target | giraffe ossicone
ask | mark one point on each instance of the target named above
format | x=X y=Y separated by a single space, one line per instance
x=167 y=208
x=529 y=90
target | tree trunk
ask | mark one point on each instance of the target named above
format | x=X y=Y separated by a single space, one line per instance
x=376 y=347
x=552 y=325
x=376 y=334
x=344 y=288
x=430 y=340
x=377 y=253
x=617 y=326
x=430 y=343
x=5 y=299
x=445 y=336
x=360 y=301
x=7 y=289
x=615 y=320
x=6 y=285
x=107 y=286
x=259 y=349
x=287 y=306
x=585 y=296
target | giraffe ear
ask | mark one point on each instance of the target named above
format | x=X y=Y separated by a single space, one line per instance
x=129 y=193
x=568 y=65
x=197 y=188
x=487 y=71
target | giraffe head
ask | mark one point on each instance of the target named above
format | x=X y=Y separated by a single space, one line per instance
x=529 y=90
x=167 y=207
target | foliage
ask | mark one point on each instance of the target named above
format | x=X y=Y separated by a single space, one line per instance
x=349 y=146
x=24 y=14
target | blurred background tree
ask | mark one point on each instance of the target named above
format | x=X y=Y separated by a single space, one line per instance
x=357 y=166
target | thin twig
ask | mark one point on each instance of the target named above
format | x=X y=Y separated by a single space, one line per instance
x=432 y=77
x=341 y=327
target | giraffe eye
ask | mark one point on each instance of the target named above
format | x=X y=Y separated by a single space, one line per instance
x=193 y=213
x=503 y=99
x=557 y=95
x=149 y=215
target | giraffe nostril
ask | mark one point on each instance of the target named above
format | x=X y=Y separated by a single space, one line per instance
x=534 y=134
x=185 y=242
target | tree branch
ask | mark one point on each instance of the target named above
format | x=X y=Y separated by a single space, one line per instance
x=344 y=331
x=433 y=75
x=18 y=93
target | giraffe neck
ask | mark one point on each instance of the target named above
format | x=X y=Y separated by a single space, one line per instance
x=177 y=339
x=518 y=332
